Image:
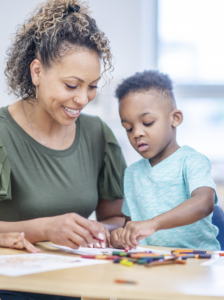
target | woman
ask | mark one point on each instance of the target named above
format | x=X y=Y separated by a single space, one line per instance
x=64 y=165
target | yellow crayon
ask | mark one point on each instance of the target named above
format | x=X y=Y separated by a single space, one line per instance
x=126 y=263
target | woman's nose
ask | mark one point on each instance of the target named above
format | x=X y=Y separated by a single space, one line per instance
x=81 y=99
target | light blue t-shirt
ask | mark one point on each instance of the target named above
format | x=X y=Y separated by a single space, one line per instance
x=150 y=191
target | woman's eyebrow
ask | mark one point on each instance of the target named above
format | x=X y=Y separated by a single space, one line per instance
x=82 y=79
x=96 y=79
x=76 y=78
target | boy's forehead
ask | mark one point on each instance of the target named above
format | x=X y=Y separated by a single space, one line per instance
x=151 y=100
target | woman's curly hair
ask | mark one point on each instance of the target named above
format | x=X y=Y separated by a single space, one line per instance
x=48 y=35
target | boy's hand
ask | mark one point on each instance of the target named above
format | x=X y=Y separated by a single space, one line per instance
x=115 y=238
x=17 y=240
x=135 y=231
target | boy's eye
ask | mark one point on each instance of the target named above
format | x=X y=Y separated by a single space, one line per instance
x=129 y=130
x=148 y=124
x=71 y=86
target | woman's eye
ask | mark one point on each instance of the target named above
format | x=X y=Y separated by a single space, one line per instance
x=148 y=124
x=71 y=86
x=93 y=87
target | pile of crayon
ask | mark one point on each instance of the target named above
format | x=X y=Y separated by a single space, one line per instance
x=149 y=258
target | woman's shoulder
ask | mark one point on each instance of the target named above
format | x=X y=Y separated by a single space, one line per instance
x=2 y=113
x=89 y=121
x=95 y=126
x=3 y=119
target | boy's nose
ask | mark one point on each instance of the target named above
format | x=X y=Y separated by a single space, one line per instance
x=137 y=133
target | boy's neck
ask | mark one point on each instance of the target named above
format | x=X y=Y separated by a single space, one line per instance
x=169 y=150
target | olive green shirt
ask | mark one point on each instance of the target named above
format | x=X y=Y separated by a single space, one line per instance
x=37 y=181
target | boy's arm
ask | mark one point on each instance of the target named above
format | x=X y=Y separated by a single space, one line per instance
x=199 y=206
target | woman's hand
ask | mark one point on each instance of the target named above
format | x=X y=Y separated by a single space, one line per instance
x=115 y=238
x=17 y=240
x=72 y=230
x=135 y=231
x=105 y=232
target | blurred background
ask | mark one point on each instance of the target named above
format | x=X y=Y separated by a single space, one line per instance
x=181 y=38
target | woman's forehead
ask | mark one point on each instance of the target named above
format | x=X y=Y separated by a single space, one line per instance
x=79 y=64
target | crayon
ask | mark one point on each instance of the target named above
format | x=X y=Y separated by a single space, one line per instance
x=152 y=255
x=134 y=260
x=190 y=255
x=188 y=250
x=143 y=261
x=96 y=238
x=106 y=257
x=117 y=260
x=125 y=281
x=126 y=263
x=118 y=253
x=221 y=254
x=88 y=256
x=123 y=254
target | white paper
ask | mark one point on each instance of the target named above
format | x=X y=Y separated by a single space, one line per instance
x=101 y=251
x=216 y=254
x=214 y=262
x=24 y=264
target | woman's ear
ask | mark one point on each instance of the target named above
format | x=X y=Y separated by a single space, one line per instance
x=177 y=117
x=35 y=71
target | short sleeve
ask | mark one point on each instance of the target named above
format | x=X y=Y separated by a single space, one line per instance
x=197 y=173
x=5 y=172
x=110 y=181
x=125 y=210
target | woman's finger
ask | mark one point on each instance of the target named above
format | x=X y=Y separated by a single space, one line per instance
x=69 y=243
x=77 y=239
x=96 y=244
x=83 y=233
x=30 y=247
x=90 y=226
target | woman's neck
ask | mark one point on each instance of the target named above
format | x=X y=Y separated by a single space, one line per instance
x=41 y=126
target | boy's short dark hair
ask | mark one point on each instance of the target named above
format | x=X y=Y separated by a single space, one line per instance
x=145 y=81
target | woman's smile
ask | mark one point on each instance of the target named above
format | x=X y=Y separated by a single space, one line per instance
x=71 y=112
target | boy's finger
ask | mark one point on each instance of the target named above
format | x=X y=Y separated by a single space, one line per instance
x=108 y=237
x=134 y=239
x=127 y=240
x=122 y=237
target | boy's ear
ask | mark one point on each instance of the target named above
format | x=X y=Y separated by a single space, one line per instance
x=35 y=71
x=177 y=117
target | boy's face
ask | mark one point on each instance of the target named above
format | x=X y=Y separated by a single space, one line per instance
x=150 y=122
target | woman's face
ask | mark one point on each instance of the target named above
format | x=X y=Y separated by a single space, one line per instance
x=68 y=86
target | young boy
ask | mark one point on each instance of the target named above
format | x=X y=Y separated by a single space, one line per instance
x=169 y=194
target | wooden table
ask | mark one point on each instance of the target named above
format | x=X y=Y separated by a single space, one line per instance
x=190 y=281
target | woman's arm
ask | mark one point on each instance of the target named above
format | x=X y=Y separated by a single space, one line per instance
x=69 y=230
x=109 y=213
